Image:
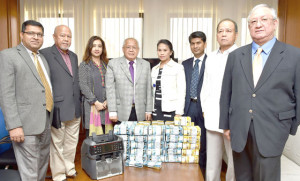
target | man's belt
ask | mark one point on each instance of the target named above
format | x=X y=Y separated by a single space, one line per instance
x=194 y=100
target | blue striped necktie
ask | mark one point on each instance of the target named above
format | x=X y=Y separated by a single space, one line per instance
x=195 y=79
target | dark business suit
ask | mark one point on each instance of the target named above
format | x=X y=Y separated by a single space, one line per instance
x=66 y=98
x=193 y=109
x=264 y=115
x=23 y=102
x=65 y=86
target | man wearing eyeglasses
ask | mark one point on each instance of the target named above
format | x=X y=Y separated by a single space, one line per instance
x=63 y=65
x=259 y=105
x=128 y=85
x=27 y=102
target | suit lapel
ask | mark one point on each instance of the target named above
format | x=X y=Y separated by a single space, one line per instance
x=190 y=69
x=246 y=61
x=23 y=52
x=125 y=68
x=202 y=68
x=60 y=60
x=73 y=65
x=273 y=61
x=138 y=70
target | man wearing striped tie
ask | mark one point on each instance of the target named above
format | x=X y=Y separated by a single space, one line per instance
x=194 y=70
x=259 y=105
x=27 y=102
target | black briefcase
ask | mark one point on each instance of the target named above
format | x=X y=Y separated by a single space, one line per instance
x=56 y=123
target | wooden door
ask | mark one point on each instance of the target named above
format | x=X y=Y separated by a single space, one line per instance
x=9 y=23
x=289 y=21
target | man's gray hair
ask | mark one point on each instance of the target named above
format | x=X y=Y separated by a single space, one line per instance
x=130 y=39
x=273 y=11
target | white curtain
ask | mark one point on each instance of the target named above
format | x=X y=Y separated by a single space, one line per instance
x=112 y=20
x=177 y=19
x=115 y=20
x=50 y=13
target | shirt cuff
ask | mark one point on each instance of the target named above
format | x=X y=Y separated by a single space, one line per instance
x=111 y=114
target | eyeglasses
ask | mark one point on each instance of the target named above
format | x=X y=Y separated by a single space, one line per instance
x=33 y=34
x=262 y=21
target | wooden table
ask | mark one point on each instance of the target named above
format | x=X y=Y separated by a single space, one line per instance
x=169 y=171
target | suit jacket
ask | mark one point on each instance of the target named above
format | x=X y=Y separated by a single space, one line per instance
x=65 y=87
x=188 y=69
x=119 y=88
x=273 y=104
x=23 y=100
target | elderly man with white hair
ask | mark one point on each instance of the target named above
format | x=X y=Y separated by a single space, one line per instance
x=259 y=105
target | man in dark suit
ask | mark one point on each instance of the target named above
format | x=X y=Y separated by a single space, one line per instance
x=259 y=105
x=27 y=102
x=63 y=65
x=194 y=70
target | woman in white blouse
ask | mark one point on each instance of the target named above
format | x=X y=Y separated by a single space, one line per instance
x=168 y=84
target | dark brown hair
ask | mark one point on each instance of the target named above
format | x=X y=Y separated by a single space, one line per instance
x=169 y=44
x=88 y=55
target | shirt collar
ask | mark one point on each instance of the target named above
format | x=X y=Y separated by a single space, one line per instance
x=201 y=58
x=130 y=61
x=29 y=51
x=62 y=52
x=267 y=47
x=229 y=50
x=170 y=63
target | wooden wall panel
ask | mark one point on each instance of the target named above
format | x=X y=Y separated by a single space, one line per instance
x=3 y=25
x=14 y=14
x=282 y=19
x=289 y=21
x=293 y=23
x=9 y=23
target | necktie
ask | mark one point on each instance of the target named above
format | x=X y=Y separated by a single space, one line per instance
x=131 y=69
x=257 y=66
x=195 y=79
x=49 y=98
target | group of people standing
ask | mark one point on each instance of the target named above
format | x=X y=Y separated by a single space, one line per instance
x=244 y=99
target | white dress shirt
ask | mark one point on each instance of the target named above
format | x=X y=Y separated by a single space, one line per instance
x=211 y=88
x=200 y=64
x=41 y=63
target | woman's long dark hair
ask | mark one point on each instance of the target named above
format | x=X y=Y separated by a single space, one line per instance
x=88 y=55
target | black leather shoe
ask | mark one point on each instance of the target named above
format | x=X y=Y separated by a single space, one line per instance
x=72 y=176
